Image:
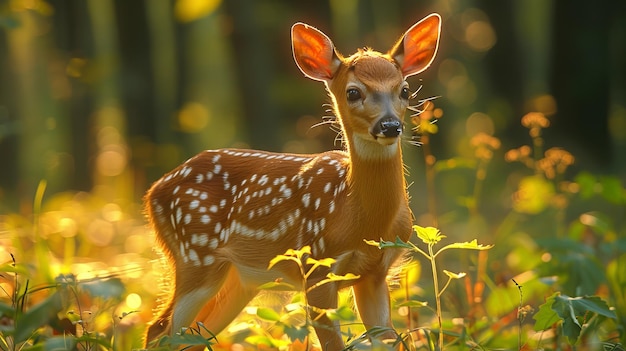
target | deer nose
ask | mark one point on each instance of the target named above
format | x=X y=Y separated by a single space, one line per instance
x=388 y=127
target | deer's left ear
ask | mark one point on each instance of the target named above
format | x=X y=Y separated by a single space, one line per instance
x=416 y=50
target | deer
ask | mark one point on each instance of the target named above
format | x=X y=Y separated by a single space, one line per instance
x=220 y=217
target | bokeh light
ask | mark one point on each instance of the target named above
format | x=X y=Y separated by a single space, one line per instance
x=133 y=301
x=193 y=117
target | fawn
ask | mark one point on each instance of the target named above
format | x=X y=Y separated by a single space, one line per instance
x=221 y=216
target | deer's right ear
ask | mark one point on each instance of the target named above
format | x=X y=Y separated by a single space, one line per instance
x=314 y=52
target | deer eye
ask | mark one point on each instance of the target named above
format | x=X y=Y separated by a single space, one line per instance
x=353 y=95
x=405 y=93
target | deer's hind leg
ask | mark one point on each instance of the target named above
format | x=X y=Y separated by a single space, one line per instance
x=223 y=308
x=193 y=289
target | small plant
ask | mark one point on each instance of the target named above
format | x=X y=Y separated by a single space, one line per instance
x=432 y=236
x=189 y=336
x=58 y=319
x=571 y=314
x=307 y=266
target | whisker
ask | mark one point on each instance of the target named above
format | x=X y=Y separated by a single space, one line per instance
x=417 y=107
x=414 y=94
x=323 y=123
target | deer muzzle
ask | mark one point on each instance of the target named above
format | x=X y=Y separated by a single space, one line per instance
x=387 y=127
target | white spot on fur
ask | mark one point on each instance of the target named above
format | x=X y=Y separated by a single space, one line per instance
x=263 y=180
x=306 y=199
x=179 y=215
x=208 y=260
x=213 y=243
x=327 y=187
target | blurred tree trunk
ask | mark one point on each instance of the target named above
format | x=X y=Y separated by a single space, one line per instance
x=255 y=70
x=111 y=174
x=580 y=80
x=36 y=120
x=617 y=112
x=163 y=52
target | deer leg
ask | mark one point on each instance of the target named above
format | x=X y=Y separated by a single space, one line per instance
x=193 y=290
x=181 y=309
x=328 y=332
x=224 y=307
x=160 y=326
x=371 y=295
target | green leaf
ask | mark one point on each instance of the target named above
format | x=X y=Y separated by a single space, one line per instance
x=315 y=264
x=19 y=268
x=612 y=190
x=332 y=277
x=455 y=275
x=92 y=338
x=296 y=333
x=277 y=286
x=343 y=313
x=398 y=244
x=305 y=250
x=468 y=245
x=534 y=195
x=268 y=314
x=429 y=235
x=546 y=316
x=6 y=310
x=186 y=337
x=582 y=304
x=413 y=303
x=373 y=242
x=280 y=258
x=112 y=288
x=348 y=276
x=291 y=255
x=326 y=262
x=38 y=316
x=266 y=340
x=573 y=311
x=587 y=183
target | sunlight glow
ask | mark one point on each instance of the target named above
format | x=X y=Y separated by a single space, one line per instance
x=133 y=301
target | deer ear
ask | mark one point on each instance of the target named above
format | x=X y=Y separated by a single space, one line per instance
x=416 y=50
x=314 y=52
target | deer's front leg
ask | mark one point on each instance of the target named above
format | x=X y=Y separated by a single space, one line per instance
x=328 y=332
x=371 y=295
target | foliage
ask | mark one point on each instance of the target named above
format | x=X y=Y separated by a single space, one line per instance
x=27 y=327
x=573 y=312
x=307 y=266
x=432 y=236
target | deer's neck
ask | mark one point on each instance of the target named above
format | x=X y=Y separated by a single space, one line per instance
x=376 y=176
